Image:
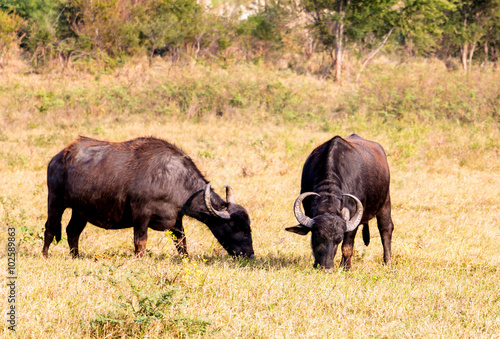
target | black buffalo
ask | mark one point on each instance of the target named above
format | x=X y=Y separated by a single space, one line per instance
x=142 y=183
x=346 y=177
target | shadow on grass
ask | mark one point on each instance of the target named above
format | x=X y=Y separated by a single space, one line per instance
x=272 y=261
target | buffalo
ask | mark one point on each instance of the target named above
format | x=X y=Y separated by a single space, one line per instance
x=348 y=180
x=141 y=183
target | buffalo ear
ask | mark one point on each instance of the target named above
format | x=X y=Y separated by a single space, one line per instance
x=299 y=229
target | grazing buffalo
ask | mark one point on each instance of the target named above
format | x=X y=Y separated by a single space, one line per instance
x=346 y=177
x=142 y=183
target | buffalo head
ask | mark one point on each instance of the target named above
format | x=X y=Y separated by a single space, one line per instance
x=327 y=230
x=231 y=226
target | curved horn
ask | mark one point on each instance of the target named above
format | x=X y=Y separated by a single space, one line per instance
x=229 y=194
x=301 y=217
x=208 y=203
x=356 y=219
x=346 y=215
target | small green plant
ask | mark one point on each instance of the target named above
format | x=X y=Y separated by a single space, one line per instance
x=187 y=274
x=141 y=314
x=30 y=235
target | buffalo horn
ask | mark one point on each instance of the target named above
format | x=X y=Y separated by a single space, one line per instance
x=301 y=217
x=229 y=194
x=208 y=203
x=346 y=215
x=356 y=219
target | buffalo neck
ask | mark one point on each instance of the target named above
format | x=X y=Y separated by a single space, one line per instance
x=195 y=206
x=330 y=200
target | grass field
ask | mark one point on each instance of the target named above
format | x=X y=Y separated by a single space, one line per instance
x=252 y=128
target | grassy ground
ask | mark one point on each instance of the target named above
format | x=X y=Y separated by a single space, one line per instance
x=253 y=128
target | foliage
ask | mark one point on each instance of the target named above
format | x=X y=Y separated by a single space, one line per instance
x=113 y=30
x=10 y=24
x=269 y=26
x=104 y=26
x=421 y=24
x=395 y=94
x=41 y=32
x=472 y=23
x=140 y=312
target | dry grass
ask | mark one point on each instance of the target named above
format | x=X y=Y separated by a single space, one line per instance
x=444 y=281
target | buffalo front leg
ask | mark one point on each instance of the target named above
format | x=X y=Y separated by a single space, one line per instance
x=385 y=227
x=180 y=238
x=141 y=236
x=347 y=249
x=74 y=229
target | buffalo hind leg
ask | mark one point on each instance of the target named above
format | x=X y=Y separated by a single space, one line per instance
x=385 y=227
x=180 y=238
x=53 y=223
x=347 y=249
x=74 y=229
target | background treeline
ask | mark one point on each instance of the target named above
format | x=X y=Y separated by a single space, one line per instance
x=290 y=32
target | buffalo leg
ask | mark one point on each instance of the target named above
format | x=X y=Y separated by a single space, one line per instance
x=385 y=227
x=74 y=229
x=140 y=236
x=180 y=238
x=53 y=224
x=347 y=249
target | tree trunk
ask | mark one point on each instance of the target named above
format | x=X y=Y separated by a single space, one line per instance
x=471 y=54
x=372 y=54
x=486 y=53
x=464 y=52
x=152 y=54
x=494 y=56
x=339 y=39
x=338 y=51
x=310 y=48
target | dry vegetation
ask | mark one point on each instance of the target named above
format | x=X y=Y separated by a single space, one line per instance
x=253 y=128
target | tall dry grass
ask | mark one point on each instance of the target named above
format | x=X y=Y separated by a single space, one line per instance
x=253 y=128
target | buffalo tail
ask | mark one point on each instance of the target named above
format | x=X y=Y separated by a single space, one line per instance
x=366 y=234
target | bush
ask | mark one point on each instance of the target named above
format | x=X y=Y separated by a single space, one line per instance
x=10 y=24
x=140 y=314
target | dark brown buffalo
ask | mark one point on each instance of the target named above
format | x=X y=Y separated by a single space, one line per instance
x=345 y=177
x=142 y=183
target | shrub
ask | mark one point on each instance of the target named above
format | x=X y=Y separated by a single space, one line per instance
x=143 y=313
x=10 y=25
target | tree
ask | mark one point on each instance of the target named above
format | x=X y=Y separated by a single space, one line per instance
x=329 y=23
x=491 y=38
x=10 y=24
x=418 y=24
x=170 y=24
x=44 y=25
x=334 y=20
x=469 y=23
x=421 y=24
